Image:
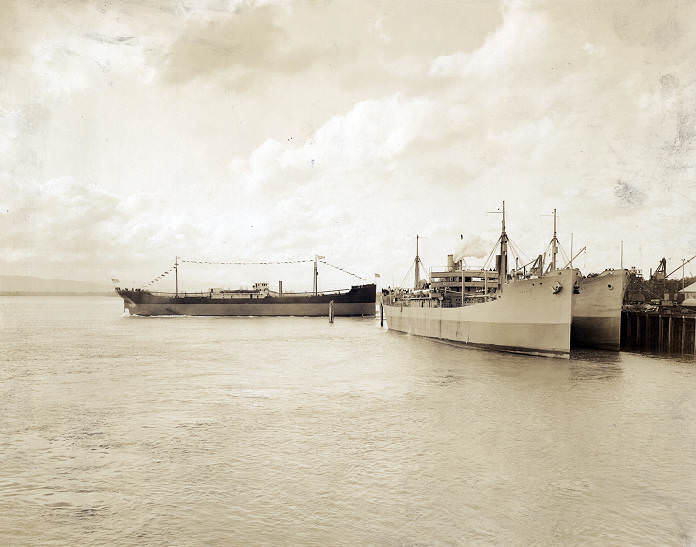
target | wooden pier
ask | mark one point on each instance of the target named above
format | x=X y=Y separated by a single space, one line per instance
x=658 y=332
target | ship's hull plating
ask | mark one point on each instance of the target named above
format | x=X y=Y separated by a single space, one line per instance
x=597 y=311
x=529 y=317
x=359 y=301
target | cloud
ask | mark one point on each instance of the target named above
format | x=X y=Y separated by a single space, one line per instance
x=371 y=135
x=67 y=63
x=520 y=36
x=235 y=129
x=240 y=43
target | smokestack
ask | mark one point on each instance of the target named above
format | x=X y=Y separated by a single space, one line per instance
x=280 y=288
x=450 y=263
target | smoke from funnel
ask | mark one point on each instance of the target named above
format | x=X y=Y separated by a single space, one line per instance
x=472 y=246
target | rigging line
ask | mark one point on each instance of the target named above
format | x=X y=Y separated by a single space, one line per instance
x=426 y=268
x=156 y=279
x=405 y=276
x=343 y=270
x=250 y=263
x=544 y=252
x=490 y=255
x=518 y=250
x=524 y=256
x=520 y=255
x=514 y=249
x=528 y=263
x=563 y=253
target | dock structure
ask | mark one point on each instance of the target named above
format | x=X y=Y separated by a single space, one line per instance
x=658 y=332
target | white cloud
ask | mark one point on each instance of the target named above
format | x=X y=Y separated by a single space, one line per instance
x=69 y=64
x=348 y=154
x=10 y=121
x=370 y=135
x=520 y=37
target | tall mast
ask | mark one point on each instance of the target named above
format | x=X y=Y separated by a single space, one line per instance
x=571 y=250
x=416 y=273
x=316 y=273
x=176 y=276
x=554 y=243
x=503 y=253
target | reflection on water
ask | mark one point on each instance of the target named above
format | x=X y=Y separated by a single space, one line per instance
x=595 y=355
x=293 y=431
x=594 y=365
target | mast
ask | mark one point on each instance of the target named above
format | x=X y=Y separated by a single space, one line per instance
x=416 y=273
x=622 y=254
x=316 y=273
x=503 y=253
x=571 y=250
x=554 y=243
x=176 y=276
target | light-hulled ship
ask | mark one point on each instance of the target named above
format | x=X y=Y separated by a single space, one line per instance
x=597 y=302
x=359 y=300
x=597 y=310
x=516 y=314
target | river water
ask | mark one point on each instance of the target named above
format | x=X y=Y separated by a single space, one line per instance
x=184 y=430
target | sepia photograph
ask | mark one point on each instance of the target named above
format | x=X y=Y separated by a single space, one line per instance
x=348 y=272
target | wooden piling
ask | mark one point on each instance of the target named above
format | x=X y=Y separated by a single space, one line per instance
x=667 y=332
x=381 y=314
x=661 y=335
x=331 y=311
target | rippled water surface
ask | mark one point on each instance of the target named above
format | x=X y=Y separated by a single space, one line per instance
x=187 y=430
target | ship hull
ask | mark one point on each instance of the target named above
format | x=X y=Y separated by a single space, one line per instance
x=597 y=311
x=528 y=318
x=359 y=301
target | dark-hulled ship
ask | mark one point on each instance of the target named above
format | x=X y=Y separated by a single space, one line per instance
x=359 y=300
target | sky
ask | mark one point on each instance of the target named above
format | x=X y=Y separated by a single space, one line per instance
x=132 y=132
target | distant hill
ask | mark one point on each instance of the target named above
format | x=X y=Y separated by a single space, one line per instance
x=22 y=284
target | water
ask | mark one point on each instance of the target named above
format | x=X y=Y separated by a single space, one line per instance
x=123 y=430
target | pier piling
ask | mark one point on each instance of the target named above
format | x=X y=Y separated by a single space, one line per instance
x=331 y=311
x=658 y=332
x=381 y=314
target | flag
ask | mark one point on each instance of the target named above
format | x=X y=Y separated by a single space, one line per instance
x=321 y=257
x=377 y=275
x=114 y=280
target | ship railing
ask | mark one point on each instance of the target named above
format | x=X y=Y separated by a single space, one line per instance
x=208 y=293
x=417 y=303
x=310 y=293
x=180 y=295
